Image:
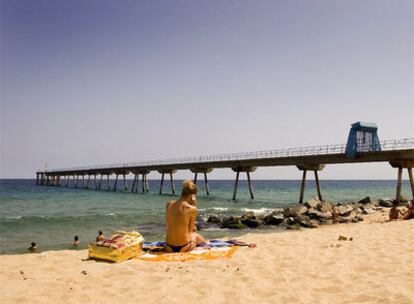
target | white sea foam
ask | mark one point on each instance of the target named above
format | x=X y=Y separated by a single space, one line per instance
x=13 y=217
x=257 y=211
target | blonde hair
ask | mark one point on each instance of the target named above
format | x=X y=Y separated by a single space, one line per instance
x=189 y=188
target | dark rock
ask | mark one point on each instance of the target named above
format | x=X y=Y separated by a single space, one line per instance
x=294 y=211
x=214 y=219
x=232 y=222
x=251 y=223
x=385 y=203
x=248 y=215
x=365 y=200
x=343 y=210
x=325 y=207
x=273 y=219
x=315 y=214
x=312 y=203
x=277 y=211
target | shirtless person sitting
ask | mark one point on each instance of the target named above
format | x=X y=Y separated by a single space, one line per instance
x=180 y=217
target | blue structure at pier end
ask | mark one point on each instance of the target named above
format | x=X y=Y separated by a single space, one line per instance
x=363 y=137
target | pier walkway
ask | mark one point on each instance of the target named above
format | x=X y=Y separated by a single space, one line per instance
x=399 y=153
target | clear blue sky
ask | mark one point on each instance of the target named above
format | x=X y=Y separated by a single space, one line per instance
x=96 y=82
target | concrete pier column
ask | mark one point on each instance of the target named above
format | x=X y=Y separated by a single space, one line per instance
x=302 y=187
x=400 y=165
x=125 y=183
x=236 y=183
x=318 y=187
x=133 y=183
x=42 y=179
x=399 y=178
x=195 y=178
x=37 y=179
x=116 y=182
x=410 y=175
x=109 y=182
x=87 y=181
x=162 y=182
x=95 y=182
x=76 y=181
x=206 y=184
x=310 y=167
x=250 y=185
x=172 y=183
x=66 y=180
x=142 y=182
x=83 y=181
x=100 y=182
x=146 y=182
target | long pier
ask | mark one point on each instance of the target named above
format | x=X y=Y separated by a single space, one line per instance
x=399 y=153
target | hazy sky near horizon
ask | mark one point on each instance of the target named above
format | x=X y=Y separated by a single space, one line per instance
x=97 y=82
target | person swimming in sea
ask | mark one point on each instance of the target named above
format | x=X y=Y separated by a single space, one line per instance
x=33 y=247
x=180 y=221
x=76 y=241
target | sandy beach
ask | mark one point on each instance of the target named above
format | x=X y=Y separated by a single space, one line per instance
x=306 y=266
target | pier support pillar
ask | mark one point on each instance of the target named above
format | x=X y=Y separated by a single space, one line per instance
x=249 y=182
x=95 y=182
x=172 y=183
x=170 y=172
x=76 y=181
x=133 y=183
x=109 y=182
x=162 y=182
x=87 y=181
x=204 y=171
x=206 y=184
x=146 y=182
x=400 y=165
x=83 y=181
x=125 y=183
x=37 y=179
x=310 y=167
x=42 y=179
x=100 y=182
x=115 y=182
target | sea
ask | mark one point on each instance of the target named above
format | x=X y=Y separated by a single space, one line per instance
x=52 y=216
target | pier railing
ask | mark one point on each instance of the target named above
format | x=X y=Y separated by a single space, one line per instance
x=386 y=145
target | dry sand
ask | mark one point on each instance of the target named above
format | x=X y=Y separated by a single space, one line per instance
x=306 y=266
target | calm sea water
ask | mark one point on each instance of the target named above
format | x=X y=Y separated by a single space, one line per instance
x=51 y=216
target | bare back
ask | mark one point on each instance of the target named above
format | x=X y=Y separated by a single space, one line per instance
x=180 y=218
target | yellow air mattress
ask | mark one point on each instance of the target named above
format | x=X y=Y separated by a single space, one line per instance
x=120 y=247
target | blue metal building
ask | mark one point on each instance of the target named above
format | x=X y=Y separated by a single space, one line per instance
x=363 y=137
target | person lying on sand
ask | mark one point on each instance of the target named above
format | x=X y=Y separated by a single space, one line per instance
x=76 y=241
x=394 y=212
x=180 y=219
x=409 y=214
x=100 y=236
x=33 y=247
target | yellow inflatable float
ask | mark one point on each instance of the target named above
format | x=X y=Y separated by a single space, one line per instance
x=119 y=247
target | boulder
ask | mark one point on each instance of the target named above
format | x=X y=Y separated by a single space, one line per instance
x=341 y=220
x=325 y=207
x=250 y=220
x=343 y=210
x=214 y=219
x=273 y=219
x=385 y=203
x=312 y=203
x=232 y=222
x=277 y=211
x=294 y=211
x=368 y=211
x=315 y=214
x=365 y=200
